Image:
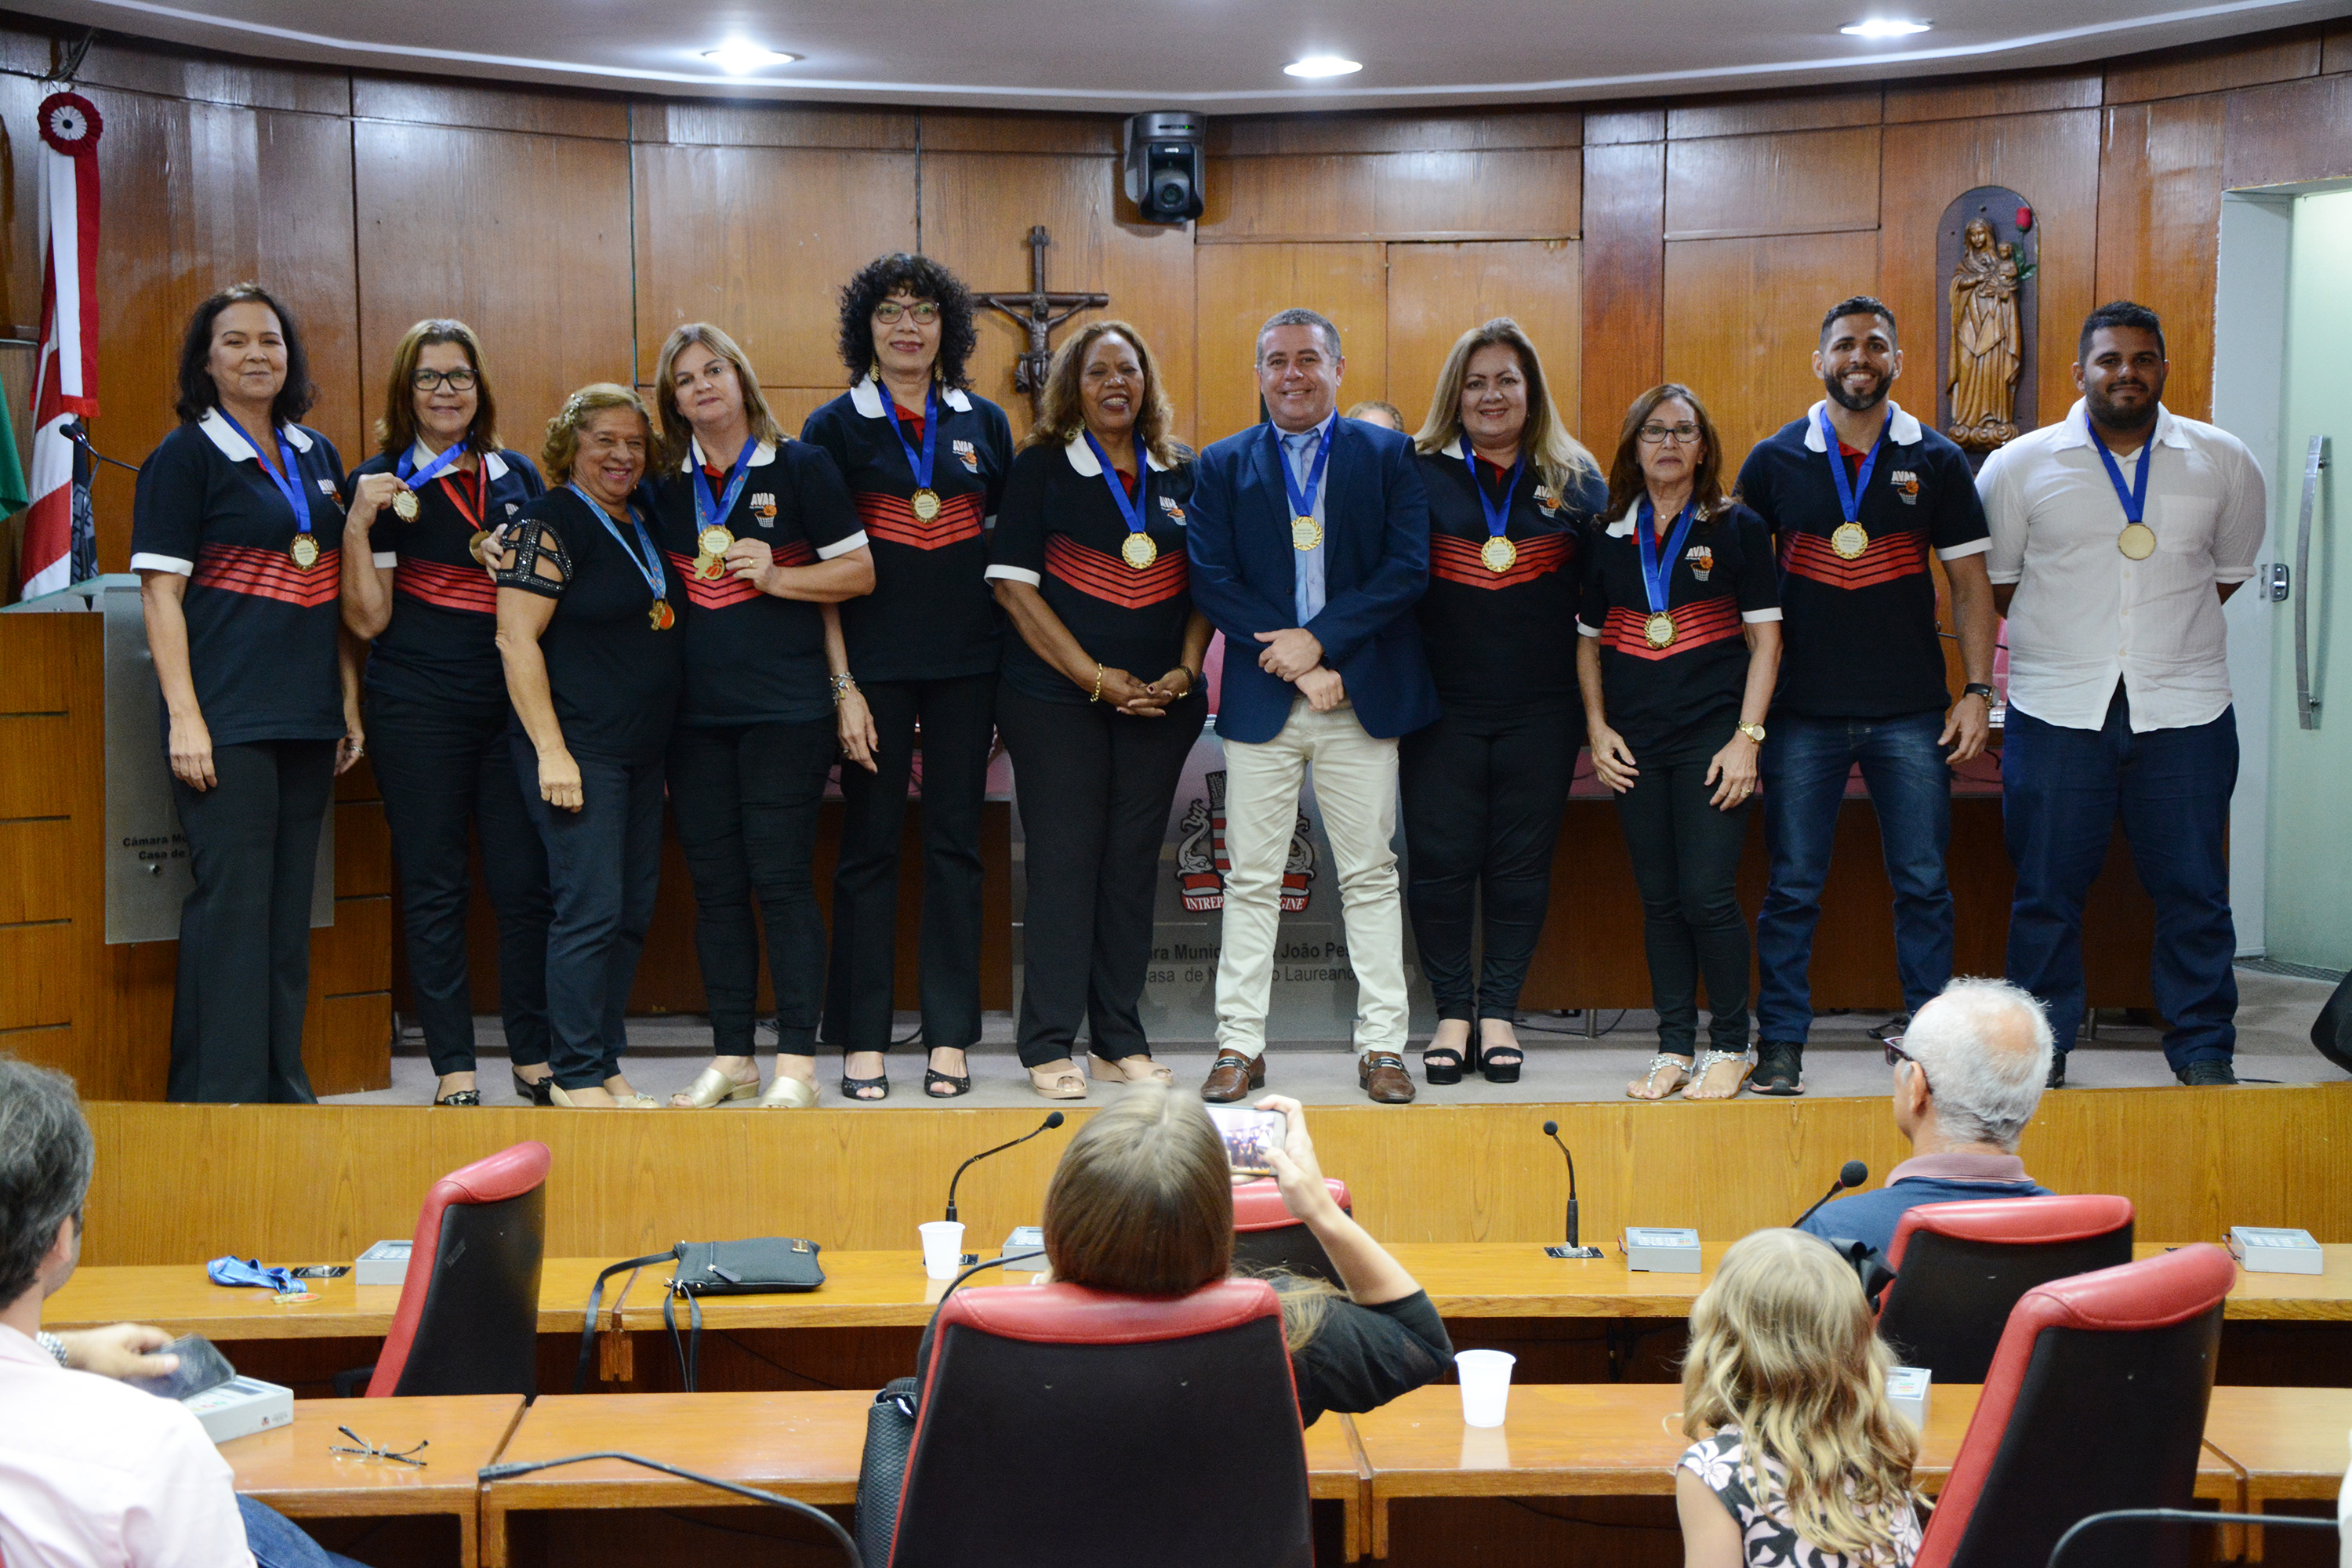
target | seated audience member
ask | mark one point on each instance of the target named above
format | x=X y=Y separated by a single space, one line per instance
x=93 y=1473
x=1373 y=411
x=1967 y=1075
x=1143 y=1203
x=1803 y=1459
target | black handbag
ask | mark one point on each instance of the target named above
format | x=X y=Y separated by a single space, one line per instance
x=763 y=1266
x=2331 y=1032
x=882 y=1470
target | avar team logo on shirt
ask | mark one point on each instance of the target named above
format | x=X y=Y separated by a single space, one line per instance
x=1175 y=514
x=1702 y=562
x=1547 y=500
x=1907 y=485
x=763 y=506
x=963 y=449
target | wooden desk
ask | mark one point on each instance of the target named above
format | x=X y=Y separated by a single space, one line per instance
x=290 y=1468
x=804 y=1445
x=2290 y=1442
x=179 y=1298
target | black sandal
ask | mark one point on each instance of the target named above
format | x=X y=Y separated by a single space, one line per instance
x=541 y=1092
x=932 y=1076
x=850 y=1086
x=1501 y=1071
x=463 y=1097
x=1442 y=1064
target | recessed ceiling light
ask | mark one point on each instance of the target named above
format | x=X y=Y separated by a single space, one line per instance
x=1883 y=27
x=1321 y=66
x=737 y=56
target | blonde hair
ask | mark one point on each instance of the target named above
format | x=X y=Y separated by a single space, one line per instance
x=1783 y=1346
x=396 y=432
x=677 y=429
x=1061 y=414
x=1561 y=459
x=563 y=445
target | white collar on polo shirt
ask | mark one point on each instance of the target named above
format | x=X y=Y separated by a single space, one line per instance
x=2076 y=429
x=236 y=447
x=761 y=458
x=866 y=397
x=1082 y=457
x=1902 y=428
x=492 y=464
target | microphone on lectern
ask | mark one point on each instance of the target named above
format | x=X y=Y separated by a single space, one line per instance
x=1570 y=1249
x=1052 y=1119
x=1851 y=1175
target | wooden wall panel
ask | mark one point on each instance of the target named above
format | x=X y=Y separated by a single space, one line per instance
x=1748 y=114
x=1623 y=258
x=2159 y=231
x=999 y=131
x=1531 y=193
x=2214 y=68
x=690 y=122
x=713 y=244
x=1259 y=135
x=1239 y=286
x=2297 y=130
x=1437 y=292
x=136 y=66
x=508 y=106
x=1800 y=182
x=556 y=205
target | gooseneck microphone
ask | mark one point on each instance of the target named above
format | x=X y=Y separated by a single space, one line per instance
x=1570 y=1249
x=1052 y=1119
x=1851 y=1175
x=832 y=1526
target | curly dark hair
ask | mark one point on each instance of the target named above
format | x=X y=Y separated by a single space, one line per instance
x=199 y=396
x=924 y=280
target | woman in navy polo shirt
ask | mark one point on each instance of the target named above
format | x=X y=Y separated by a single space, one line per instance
x=234 y=534
x=925 y=461
x=1102 y=699
x=588 y=636
x=424 y=511
x=1511 y=497
x=1680 y=645
x=759 y=531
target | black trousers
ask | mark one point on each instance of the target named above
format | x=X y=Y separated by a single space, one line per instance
x=604 y=868
x=959 y=725
x=447 y=776
x=745 y=800
x=1686 y=864
x=245 y=931
x=1483 y=799
x=1094 y=788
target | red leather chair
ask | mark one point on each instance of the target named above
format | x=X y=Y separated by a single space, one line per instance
x=469 y=1316
x=1959 y=1267
x=1183 y=1408
x=2095 y=1401
x=1267 y=1239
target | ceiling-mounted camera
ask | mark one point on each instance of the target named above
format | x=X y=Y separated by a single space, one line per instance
x=1166 y=164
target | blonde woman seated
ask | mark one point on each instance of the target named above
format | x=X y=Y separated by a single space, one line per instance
x=1805 y=1460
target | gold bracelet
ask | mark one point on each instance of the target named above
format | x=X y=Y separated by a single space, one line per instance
x=1097 y=692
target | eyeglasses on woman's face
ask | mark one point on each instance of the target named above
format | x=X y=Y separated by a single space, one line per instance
x=1656 y=435
x=458 y=380
x=923 y=312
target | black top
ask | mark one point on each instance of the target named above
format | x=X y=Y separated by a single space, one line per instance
x=1503 y=643
x=1861 y=639
x=261 y=629
x=440 y=645
x=930 y=615
x=753 y=657
x=1365 y=1356
x=1061 y=532
x=615 y=678
x=1665 y=701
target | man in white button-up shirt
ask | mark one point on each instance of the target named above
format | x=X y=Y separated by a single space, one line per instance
x=2116 y=535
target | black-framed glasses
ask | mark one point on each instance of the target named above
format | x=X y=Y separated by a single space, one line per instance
x=367 y=1450
x=1655 y=434
x=1896 y=1054
x=924 y=311
x=461 y=379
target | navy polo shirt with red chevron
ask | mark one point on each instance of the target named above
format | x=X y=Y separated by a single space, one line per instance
x=931 y=616
x=1503 y=645
x=1061 y=532
x=441 y=644
x=1683 y=699
x=261 y=630
x=753 y=657
x=1862 y=639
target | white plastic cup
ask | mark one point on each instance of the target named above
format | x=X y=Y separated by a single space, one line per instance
x=1486 y=1386
x=942 y=1247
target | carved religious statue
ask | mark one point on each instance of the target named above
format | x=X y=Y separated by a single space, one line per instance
x=1988 y=352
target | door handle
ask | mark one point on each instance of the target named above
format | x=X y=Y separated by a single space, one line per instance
x=2306 y=706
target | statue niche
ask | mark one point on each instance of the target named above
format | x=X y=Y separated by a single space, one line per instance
x=1985 y=258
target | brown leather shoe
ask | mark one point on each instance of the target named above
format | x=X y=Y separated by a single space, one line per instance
x=1382 y=1076
x=1233 y=1076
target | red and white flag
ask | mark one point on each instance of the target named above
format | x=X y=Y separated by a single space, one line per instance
x=60 y=543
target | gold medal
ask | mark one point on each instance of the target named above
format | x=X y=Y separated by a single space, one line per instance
x=1139 y=552
x=1849 y=540
x=404 y=506
x=714 y=540
x=305 y=551
x=925 y=504
x=1497 y=554
x=1305 y=533
x=661 y=616
x=2138 y=541
x=709 y=568
x=1659 y=631
x=474 y=545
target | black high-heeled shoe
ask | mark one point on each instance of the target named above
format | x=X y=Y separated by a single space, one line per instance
x=1441 y=1064
x=540 y=1093
x=1501 y=1071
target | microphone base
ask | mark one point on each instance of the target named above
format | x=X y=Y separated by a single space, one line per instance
x=1559 y=1251
x=968 y=1259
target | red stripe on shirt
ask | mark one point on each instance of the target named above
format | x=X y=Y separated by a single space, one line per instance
x=267 y=573
x=1696 y=625
x=1887 y=557
x=715 y=595
x=1456 y=560
x=1110 y=579
x=465 y=588
x=892 y=518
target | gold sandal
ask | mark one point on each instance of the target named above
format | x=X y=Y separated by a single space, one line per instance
x=788 y=1093
x=1708 y=1063
x=1069 y=1084
x=712 y=1087
x=1660 y=1063
x=1116 y=1071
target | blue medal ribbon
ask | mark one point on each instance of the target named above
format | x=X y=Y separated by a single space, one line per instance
x=250 y=1270
x=1498 y=518
x=2135 y=498
x=416 y=478
x=287 y=478
x=1850 y=494
x=1130 y=508
x=921 y=468
x=713 y=513
x=650 y=568
x=1657 y=571
x=1302 y=501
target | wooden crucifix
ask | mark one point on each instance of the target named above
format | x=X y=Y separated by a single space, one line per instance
x=1038 y=312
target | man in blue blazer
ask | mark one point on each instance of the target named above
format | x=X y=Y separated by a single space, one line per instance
x=1309 y=544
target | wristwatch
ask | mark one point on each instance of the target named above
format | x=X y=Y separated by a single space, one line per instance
x=1979 y=688
x=51 y=1344
x=1753 y=731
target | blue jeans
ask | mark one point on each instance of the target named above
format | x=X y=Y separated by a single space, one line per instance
x=277 y=1542
x=2061 y=792
x=1804 y=767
